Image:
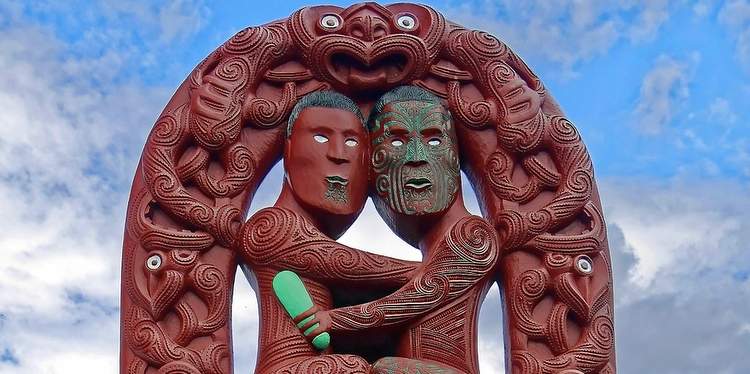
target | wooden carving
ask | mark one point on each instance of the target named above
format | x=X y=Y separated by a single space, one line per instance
x=481 y=108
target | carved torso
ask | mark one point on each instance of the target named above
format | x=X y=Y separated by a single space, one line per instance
x=276 y=239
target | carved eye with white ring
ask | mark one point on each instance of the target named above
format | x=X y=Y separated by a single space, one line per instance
x=397 y=142
x=434 y=142
x=406 y=22
x=330 y=22
x=153 y=262
x=320 y=138
x=584 y=265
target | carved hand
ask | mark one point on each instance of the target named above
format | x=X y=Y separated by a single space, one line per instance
x=313 y=322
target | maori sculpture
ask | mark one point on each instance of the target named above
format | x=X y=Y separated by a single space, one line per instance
x=224 y=129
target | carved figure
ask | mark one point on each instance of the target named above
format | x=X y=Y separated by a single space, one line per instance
x=326 y=149
x=417 y=192
x=222 y=131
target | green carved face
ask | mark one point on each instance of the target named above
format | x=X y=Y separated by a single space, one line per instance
x=415 y=157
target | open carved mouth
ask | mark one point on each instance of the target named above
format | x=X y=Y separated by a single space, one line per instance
x=418 y=184
x=388 y=69
x=335 y=179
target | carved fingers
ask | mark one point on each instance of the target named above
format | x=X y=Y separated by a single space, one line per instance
x=313 y=323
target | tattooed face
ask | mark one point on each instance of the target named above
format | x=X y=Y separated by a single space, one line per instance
x=414 y=157
x=325 y=160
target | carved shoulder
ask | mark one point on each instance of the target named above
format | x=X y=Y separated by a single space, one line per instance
x=474 y=242
x=270 y=231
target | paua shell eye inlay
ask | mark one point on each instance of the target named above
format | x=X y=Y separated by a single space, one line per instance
x=584 y=265
x=330 y=22
x=406 y=21
x=153 y=262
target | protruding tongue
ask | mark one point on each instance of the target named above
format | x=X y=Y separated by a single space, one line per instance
x=367 y=78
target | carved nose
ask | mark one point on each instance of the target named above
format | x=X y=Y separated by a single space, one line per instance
x=415 y=153
x=369 y=29
x=336 y=152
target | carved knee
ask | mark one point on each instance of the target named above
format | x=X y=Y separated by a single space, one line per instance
x=401 y=365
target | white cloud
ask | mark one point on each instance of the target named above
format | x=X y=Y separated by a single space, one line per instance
x=677 y=228
x=735 y=16
x=664 y=89
x=171 y=20
x=651 y=15
x=720 y=110
x=564 y=33
x=702 y=8
x=681 y=274
x=244 y=325
x=69 y=139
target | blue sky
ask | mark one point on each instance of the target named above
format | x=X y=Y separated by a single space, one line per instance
x=658 y=89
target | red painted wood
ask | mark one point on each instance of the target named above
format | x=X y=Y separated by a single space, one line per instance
x=225 y=128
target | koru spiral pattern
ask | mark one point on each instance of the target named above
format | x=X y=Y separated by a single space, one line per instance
x=219 y=135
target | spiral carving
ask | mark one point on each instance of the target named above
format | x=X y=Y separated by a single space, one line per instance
x=485 y=45
x=264 y=113
x=167 y=130
x=267 y=231
x=476 y=115
x=562 y=131
x=246 y=41
x=474 y=241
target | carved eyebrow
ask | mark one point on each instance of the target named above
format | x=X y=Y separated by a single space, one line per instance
x=350 y=132
x=321 y=129
x=397 y=129
x=431 y=131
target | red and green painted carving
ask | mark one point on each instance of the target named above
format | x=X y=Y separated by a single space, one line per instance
x=391 y=102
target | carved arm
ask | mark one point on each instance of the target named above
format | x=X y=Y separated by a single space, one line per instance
x=280 y=238
x=465 y=256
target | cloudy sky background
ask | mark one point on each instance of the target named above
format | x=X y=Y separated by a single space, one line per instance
x=658 y=89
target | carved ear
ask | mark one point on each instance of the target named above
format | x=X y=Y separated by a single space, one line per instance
x=370 y=173
x=287 y=149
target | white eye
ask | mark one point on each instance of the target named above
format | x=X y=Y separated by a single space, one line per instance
x=406 y=22
x=330 y=21
x=397 y=143
x=585 y=265
x=351 y=142
x=153 y=262
x=434 y=141
x=320 y=138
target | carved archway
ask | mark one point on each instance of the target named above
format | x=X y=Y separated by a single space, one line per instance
x=220 y=134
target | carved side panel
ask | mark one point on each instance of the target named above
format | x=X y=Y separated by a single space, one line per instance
x=535 y=180
x=206 y=152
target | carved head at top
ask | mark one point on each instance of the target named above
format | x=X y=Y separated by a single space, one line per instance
x=367 y=45
x=326 y=154
x=414 y=153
